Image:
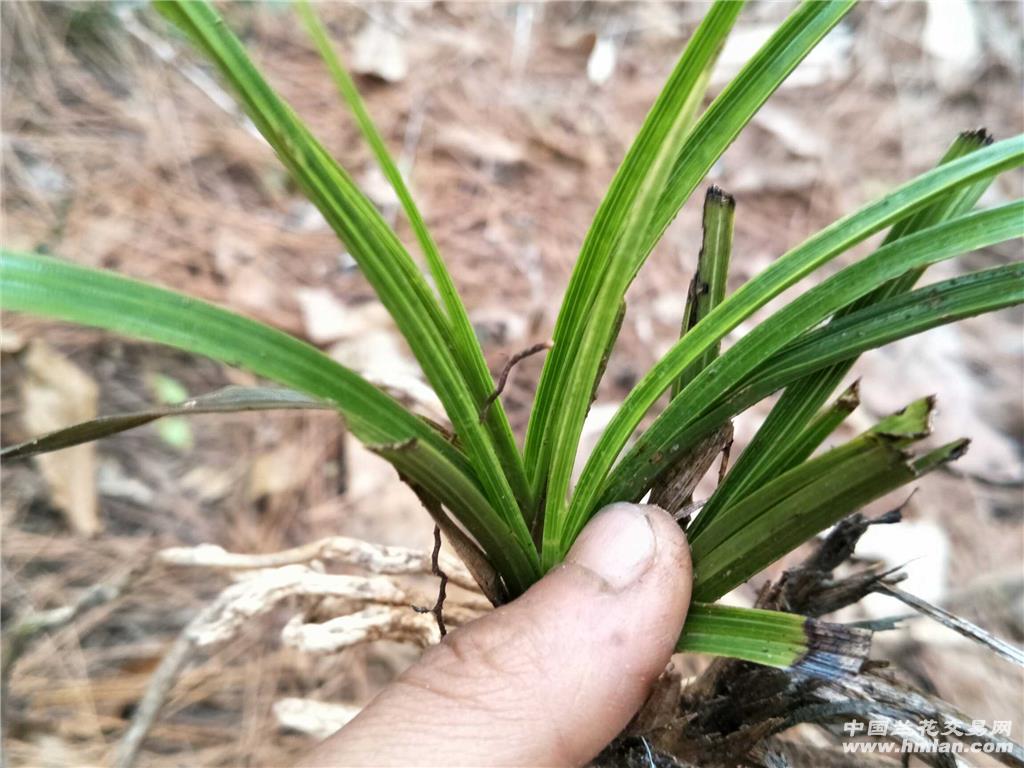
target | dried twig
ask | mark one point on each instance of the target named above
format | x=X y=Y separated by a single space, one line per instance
x=225 y=616
x=374 y=622
x=918 y=706
x=961 y=626
x=267 y=579
x=159 y=686
x=503 y=377
x=26 y=629
x=438 y=609
x=375 y=558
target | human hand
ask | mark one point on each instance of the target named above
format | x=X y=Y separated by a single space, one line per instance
x=549 y=679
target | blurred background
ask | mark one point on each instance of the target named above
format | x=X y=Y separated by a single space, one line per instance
x=121 y=150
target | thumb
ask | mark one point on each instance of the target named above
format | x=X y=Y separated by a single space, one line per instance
x=549 y=679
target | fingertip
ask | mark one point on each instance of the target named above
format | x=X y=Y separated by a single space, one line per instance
x=673 y=547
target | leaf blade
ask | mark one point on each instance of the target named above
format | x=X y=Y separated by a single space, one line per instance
x=783 y=273
x=796 y=406
x=465 y=345
x=58 y=289
x=231 y=399
x=389 y=268
x=670 y=108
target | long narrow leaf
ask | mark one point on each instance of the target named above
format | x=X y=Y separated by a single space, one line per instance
x=574 y=400
x=797 y=36
x=227 y=400
x=789 y=417
x=898 y=317
x=872 y=327
x=386 y=264
x=929 y=246
x=816 y=432
x=465 y=346
x=673 y=107
x=754 y=294
x=53 y=288
x=722 y=122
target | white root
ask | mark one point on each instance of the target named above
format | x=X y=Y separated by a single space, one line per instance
x=376 y=607
x=319 y=719
x=374 y=622
x=257 y=595
x=374 y=558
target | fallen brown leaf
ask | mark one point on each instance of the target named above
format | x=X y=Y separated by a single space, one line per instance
x=57 y=393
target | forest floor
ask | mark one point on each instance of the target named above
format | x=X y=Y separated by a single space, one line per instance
x=121 y=151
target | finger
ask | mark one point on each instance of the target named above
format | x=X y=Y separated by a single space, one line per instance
x=549 y=679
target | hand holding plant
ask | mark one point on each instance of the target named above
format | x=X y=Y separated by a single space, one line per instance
x=548 y=679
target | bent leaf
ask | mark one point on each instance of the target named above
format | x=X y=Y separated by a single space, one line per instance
x=58 y=289
x=660 y=444
x=227 y=400
x=465 y=346
x=396 y=279
x=790 y=415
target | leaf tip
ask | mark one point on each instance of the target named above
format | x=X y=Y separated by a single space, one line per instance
x=979 y=136
x=850 y=399
x=717 y=196
x=910 y=424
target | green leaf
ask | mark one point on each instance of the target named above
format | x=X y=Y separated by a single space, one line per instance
x=658 y=443
x=896 y=318
x=672 y=108
x=872 y=327
x=707 y=288
x=597 y=279
x=710 y=137
x=816 y=432
x=227 y=400
x=574 y=400
x=775 y=639
x=465 y=346
x=752 y=533
x=934 y=244
x=790 y=415
x=797 y=36
x=44 y=286
x=389 y=268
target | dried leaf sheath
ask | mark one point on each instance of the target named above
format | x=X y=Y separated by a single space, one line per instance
x=776 y=639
